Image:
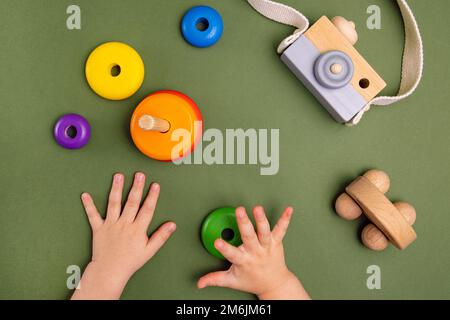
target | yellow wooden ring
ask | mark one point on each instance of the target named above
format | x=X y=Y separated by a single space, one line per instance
x=181 y=112
x=119 y=58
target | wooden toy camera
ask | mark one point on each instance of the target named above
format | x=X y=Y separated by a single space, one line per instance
x=389 y=222
x=325 y=60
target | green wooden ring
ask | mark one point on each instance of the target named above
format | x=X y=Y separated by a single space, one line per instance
x=221 y=223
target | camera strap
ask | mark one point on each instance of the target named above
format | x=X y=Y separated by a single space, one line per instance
x=412 y=65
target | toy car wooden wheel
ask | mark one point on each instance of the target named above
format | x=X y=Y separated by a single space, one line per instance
x=166 y=126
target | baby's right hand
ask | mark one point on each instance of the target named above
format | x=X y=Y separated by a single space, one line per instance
x=258 y=266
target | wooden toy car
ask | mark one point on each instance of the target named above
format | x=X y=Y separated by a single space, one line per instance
x=389 y=222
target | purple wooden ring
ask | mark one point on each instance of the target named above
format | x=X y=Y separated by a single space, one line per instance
x=80 y=128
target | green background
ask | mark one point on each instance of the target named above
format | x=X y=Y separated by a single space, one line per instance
x=239 y=83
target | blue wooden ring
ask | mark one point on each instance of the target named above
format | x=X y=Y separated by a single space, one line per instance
x=204 y=16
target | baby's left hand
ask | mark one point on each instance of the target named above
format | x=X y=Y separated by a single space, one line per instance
x=121 y=245
x=258 y=265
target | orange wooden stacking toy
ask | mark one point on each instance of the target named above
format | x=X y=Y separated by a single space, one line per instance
x=158 y=117
x=389 y=222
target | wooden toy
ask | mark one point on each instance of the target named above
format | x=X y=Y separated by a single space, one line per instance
x=115 y=71
x=72 y=131
x=202 y=26
x=390 y=222
x=156 y=119
x=221 y=223
x=324 y=59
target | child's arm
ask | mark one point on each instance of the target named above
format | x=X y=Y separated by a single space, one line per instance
x=258 y=266
x=121 y=245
